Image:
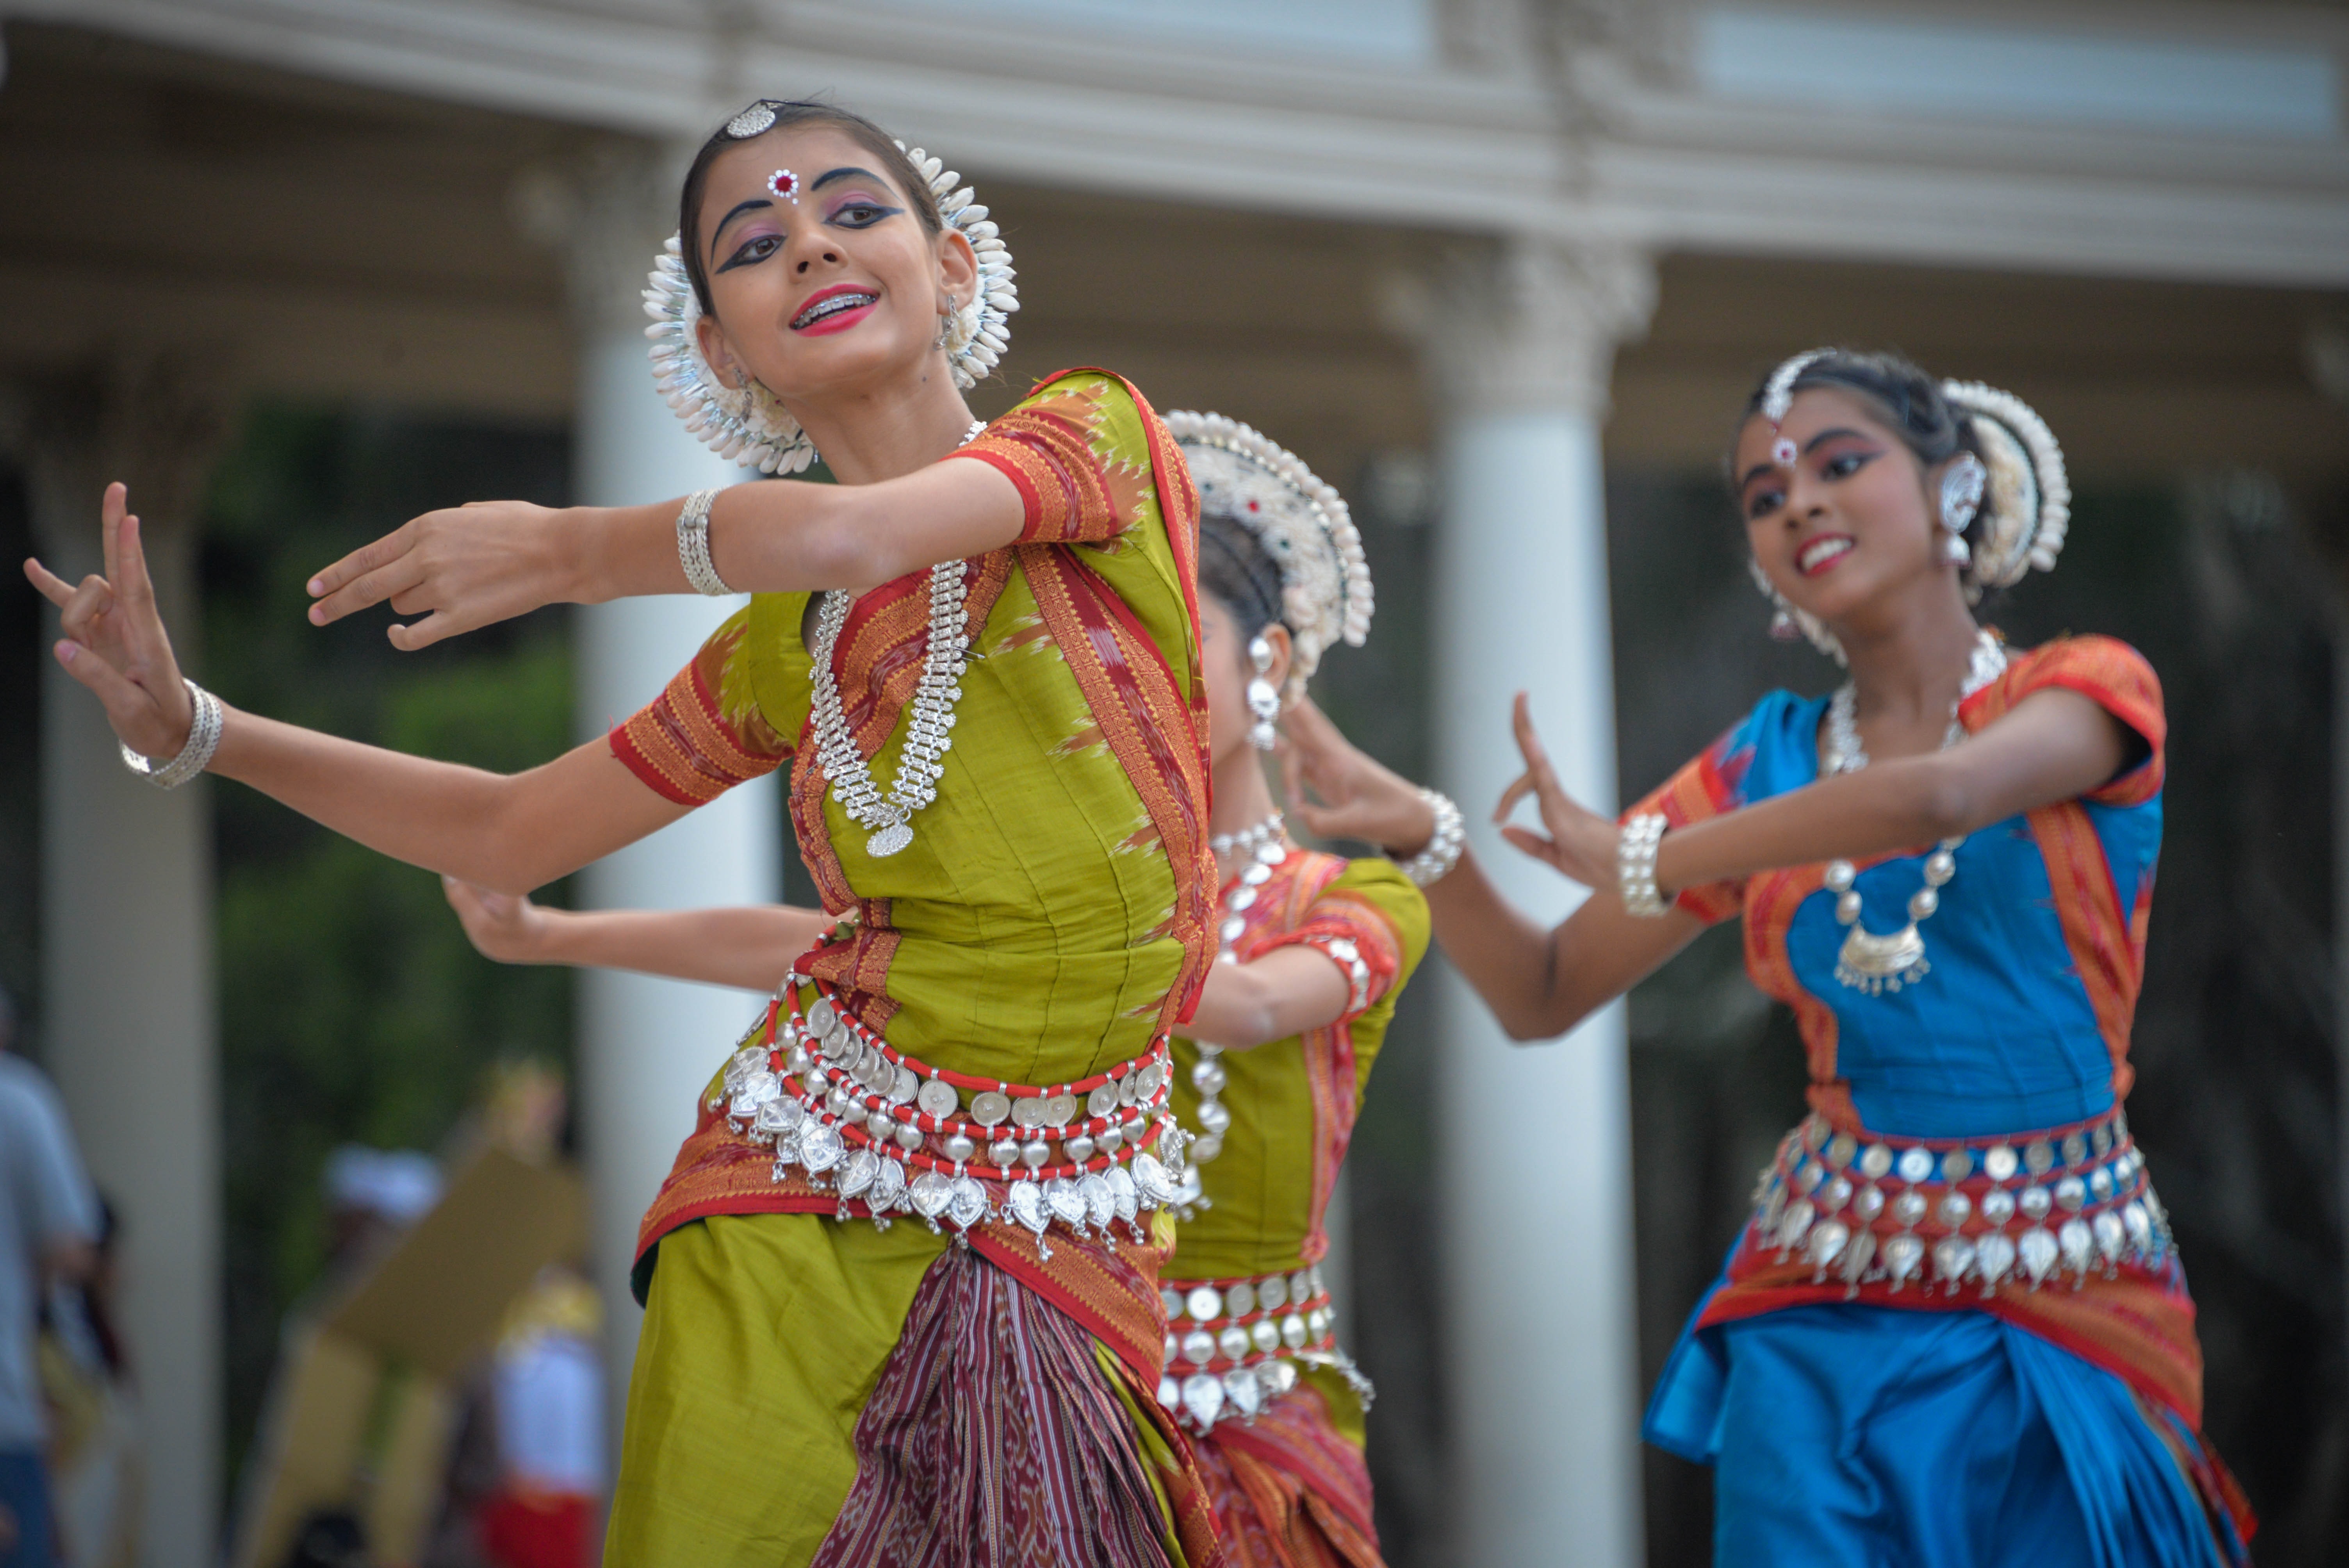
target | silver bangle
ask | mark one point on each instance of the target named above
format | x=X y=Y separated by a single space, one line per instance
x=1434 y=862
x=693 y=545
x=203 y=739
x=1635 y=866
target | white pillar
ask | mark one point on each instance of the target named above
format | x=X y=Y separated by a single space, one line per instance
x=128 y=1020
x=1534 y=1141
x=646 y=1046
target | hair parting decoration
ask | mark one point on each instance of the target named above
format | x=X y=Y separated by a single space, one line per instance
x=2025 y=508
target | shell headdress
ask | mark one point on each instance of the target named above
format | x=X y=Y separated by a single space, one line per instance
x=1303 y=524
x=751 y=427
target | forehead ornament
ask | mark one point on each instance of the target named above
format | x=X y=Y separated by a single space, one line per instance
x=1778 y=392
x=752 y=121
x=1782 y=452
x=1302 y=523
x=748 y=424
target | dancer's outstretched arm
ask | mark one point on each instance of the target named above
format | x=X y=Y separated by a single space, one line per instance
x=513 y=832
x=469 y=566
x=2052 y=745
x=750 y=947
x=1284 y=993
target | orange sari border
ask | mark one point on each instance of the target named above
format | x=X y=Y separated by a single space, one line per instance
x=1153 y=732
x=2138 y=1326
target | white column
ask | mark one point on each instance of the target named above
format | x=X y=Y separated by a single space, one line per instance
x=128 y=1020
x=1534 y=1141
x=646 y=1046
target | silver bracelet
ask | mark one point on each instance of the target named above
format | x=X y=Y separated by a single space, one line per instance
x=693 y=545
x=1635 y=866
x=203 y=739
x=1434 y=862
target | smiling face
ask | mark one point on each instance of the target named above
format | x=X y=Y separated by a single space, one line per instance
x=825 y=284
x=1845 y=524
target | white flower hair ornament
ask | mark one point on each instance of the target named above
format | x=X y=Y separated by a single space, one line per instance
x=749 y=425
x=2027 y=501
x=1304 y=525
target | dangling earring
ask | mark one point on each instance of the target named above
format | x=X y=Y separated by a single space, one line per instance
x=1783 y=628
x=1262 y=701
x=946 y=324
x=1962 y=492
x=1959 y=552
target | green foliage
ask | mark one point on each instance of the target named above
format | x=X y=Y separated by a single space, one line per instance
x=352 y=1008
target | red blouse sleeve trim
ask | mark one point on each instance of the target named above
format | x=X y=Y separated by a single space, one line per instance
x=2109 y=673
x=683 y=748
x=1339 y=926
x=1047 y=452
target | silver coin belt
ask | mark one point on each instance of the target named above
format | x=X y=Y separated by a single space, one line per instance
x=853 y=1114
x=1952 y=1215
x=1242 y=1342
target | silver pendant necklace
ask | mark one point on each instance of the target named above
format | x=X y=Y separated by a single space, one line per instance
x=1870 y=961
x=930 y=716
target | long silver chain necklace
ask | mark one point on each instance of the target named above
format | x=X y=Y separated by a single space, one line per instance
x=930 y=716
x=1261 y=847
x=1869 y=962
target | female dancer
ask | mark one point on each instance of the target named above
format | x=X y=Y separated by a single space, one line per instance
x=1955 y=1330
x=1316 y=950
x=805 y=1388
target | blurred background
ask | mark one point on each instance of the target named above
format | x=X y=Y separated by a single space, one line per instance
x=1503 y=270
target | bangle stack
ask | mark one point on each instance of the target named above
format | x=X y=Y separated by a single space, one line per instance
x=693 y=545
x=1434 y=862
x=1635 y=866
x=203 y=739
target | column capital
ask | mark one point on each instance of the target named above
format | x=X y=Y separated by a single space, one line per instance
x=1527 y=322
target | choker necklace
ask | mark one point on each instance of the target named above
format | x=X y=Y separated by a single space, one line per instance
x=930 y=716
x=1869 y=962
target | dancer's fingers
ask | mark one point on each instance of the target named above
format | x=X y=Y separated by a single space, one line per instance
x=1519 y=787
x=85 y=608
x=111 y=510
x=1527 y=842
x=368 y=576
x=423 y=633
x=51 y=586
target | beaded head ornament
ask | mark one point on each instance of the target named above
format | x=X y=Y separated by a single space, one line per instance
x=749 y=425
x=2025 y=508
x=1302 y=523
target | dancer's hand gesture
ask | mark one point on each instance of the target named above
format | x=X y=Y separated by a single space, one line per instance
x=1358 y=797
x=114 y=639
x=505 y=926
x=1581 y=843
x=459 y=569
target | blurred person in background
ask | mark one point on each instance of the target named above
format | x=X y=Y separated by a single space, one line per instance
x=372 y=1195
x=48 y=1230
x=97 y=1476
x=1955 y=1329
x=546 y=1409
x=1314 y=954
x=1022 y=595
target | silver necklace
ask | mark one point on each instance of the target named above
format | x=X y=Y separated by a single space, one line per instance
x=1248 y=839
x=1264 y=848
x=1869 y=962
x=930 y=716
